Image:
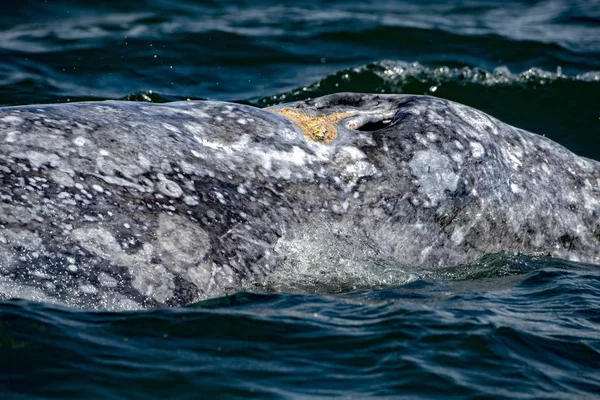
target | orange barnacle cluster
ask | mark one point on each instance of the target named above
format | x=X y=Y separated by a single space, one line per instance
x=319 y=129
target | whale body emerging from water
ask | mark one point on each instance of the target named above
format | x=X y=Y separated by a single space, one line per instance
x=121 y=205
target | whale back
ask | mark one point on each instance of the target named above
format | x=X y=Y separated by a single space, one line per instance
x=121 y=205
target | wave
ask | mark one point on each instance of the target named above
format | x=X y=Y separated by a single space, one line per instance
x=524 y=336
x=515 y=20
x=389 y=76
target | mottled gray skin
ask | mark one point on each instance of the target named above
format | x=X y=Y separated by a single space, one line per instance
x=121 y=205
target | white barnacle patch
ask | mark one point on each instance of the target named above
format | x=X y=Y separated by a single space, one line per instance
x=242 y=121
x=435 y=175
x=11 y=136
x=361 y=169
x=202 y=275
x=214 y=145
x=79 y=141
x=191 y=201
x=37 y=159
x=339 y=208
x=194 y=129
x=186 y=167
x=479 y=121
x=61 y=178
x=457 y=157
x=23 y=238
x=589 y=202
x=458 y=235
x=282 y=164
x=422 y=139
x=113 y=180
x=170 y=127
x=40 y=274
x=515 y=188
x=354 y=152
x=88 y=289
x=14 y=214
x=98 y=241
x=169 y=188
x=152 y=280
x=477 y=149
x=199 y=113
x=424 y=253
x=12 y=119
x=513 y=155
x=196 y=154
x=180 y=240
x=356 y=165
x=221 y=198
x=106 y=280
x=165 y=165
x=144 y=162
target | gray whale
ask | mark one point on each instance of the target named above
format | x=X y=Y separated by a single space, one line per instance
x=121 y=205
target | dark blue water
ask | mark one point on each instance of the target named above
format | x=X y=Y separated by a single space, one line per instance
x=519 y=335
x=506 y=327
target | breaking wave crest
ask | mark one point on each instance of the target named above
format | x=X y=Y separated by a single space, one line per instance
x=402 y=77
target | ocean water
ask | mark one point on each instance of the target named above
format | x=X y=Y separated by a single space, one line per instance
x=505 y=327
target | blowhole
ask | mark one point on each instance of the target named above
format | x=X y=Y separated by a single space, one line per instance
x=375 y=125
